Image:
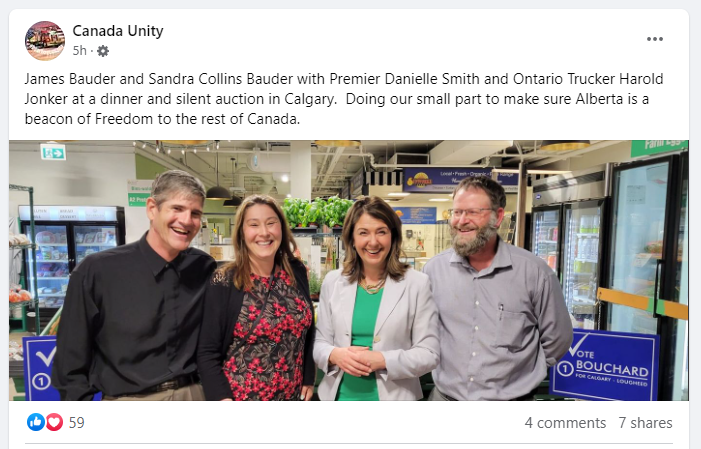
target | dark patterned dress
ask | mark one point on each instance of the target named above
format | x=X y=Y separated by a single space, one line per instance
x=266 y=362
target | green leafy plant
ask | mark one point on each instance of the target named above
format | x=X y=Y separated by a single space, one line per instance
x=295 y=210
x=314 y=283
x=336 y=210
x=315 y=212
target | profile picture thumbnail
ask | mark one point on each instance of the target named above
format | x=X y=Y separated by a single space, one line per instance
x=45 y=41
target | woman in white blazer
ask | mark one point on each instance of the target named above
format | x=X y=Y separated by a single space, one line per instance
x=377 y=328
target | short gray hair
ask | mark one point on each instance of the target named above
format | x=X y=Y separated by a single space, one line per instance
x=493 y=189
x=173 y=182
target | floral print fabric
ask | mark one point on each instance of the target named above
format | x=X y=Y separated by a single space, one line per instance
x=266 y=362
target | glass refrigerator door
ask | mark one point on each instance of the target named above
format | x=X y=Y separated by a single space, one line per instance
x=92 y=239
x=546 y=223
x=52 y=265
x=680 y=294
x=580 y=264
x=639 y=212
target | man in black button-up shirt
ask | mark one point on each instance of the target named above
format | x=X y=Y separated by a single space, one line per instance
x=132 y=314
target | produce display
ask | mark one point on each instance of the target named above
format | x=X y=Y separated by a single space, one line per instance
x=303 y=213
x=17 y=295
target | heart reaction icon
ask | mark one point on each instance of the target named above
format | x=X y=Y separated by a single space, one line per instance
x=54 y=422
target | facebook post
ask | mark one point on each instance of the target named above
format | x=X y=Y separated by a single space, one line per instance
x=445 y=272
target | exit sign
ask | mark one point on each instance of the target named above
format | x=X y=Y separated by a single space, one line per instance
x=53 y=152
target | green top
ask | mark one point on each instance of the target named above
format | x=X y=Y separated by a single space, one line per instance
x=364 y=316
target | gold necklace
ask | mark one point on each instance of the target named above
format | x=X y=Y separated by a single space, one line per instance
x=371 y=289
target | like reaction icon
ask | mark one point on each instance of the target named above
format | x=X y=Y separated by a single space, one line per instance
x=35 y=422
x=54 y=422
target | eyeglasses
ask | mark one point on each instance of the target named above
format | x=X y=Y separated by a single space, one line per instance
x=471 y=213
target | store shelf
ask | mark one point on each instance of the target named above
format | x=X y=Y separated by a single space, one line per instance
x=52 y=244
x=586 y=260
x=52 y=261
x=27 y=246
x=52 y=278
x=44 y=295
x=595 y=234
x=304 y=231
x=32 y=260
x=111 y=245
x=17 y=305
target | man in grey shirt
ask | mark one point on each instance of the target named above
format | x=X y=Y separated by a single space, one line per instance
x=503 y=319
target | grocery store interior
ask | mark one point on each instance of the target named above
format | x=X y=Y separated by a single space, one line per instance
x=609 y=217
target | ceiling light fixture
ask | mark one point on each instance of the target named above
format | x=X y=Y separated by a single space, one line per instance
x=399 y=194
x=439 y=200
x=338 y=143
x=285 y=178
x=234 y=201
x=564 y=145
x=217 y=192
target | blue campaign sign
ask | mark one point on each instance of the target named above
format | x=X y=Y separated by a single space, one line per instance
x=39 y=355
x=608 y=366
x=416 y=215
x=438 y=180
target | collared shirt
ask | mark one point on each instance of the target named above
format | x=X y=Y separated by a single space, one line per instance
x=500 y=327
x=130 y=321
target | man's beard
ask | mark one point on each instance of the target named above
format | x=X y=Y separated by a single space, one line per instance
x=482 y=236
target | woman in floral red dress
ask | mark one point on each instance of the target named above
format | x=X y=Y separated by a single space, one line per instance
x=258 y=327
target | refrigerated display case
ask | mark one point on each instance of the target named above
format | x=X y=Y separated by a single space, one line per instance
x=545 y=241
x=580 y=261
x=65 y=235
x=580 y=198
x=646 y=287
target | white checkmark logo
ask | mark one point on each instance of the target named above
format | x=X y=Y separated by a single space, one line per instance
x=48 y=359
x=573 y=351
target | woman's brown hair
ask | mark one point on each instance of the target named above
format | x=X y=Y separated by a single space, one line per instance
x=239 y=271
x=377 y=208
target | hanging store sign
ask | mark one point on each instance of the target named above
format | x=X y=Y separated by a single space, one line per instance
x=53 y=152
x=138 y=191
x=509 y=181
x=608 y=366
x=648 y=147
x=69 y=213
x=444 y=180
x=438 y=180
x=416 y=215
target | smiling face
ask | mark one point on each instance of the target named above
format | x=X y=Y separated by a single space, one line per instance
x=372 y=240
x=173 y=224
x=472 y=231
x=262 y=233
